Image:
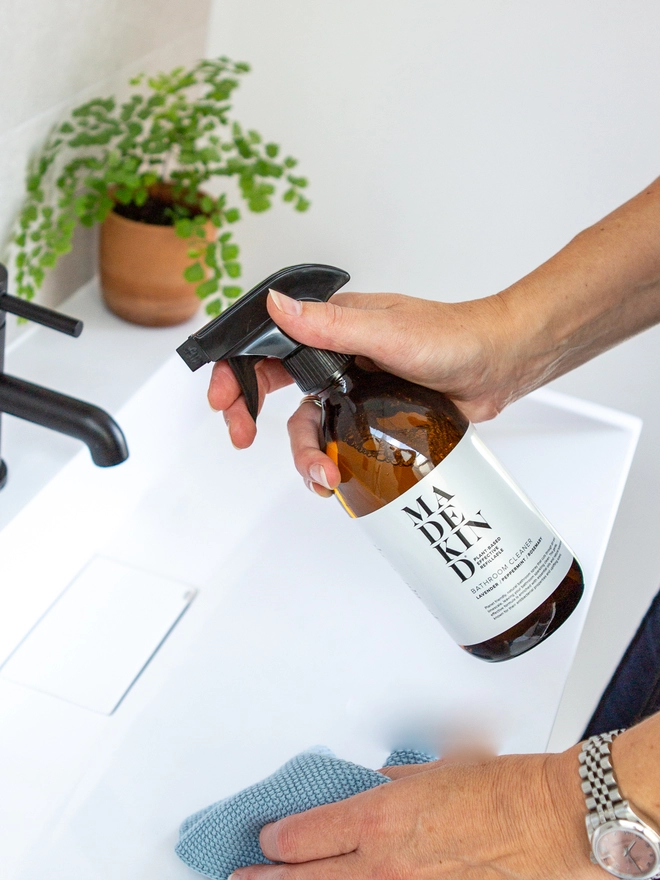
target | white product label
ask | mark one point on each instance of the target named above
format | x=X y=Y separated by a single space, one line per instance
x=471 y=545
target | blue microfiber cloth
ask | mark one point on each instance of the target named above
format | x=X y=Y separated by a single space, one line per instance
x=225 y=836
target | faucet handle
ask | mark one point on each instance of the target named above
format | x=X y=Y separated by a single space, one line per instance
x=40 y=315
x=33 y=312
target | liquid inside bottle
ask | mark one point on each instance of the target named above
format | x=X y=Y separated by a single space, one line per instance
x=388 y=435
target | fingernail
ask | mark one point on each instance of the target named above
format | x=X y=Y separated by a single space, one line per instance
x=212 y=407
x=285 y=304
x=317 y=473
x=231 y=440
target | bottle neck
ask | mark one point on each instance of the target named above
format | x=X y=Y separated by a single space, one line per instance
x=314 y=369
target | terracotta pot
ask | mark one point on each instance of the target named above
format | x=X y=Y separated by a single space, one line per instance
x=142 y=272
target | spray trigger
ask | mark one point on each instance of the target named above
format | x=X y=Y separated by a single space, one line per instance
x=243 y=368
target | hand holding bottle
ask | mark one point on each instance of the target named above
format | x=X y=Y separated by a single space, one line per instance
x=455 y=347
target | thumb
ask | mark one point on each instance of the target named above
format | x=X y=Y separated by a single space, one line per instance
x=328 y=325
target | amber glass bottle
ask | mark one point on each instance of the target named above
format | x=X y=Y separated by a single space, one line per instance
x=503 y=562
x=415 y=475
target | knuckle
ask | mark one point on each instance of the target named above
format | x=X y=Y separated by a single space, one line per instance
x=392 y=870
x=374 y=820
x=296 y=420
x=334 y=318
x=293 y=421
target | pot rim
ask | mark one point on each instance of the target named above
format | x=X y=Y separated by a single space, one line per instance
x=161 y=186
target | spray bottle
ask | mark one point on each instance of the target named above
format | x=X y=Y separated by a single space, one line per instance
x=416 y=476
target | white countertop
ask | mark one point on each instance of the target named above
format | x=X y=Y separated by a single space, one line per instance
x=299 y=633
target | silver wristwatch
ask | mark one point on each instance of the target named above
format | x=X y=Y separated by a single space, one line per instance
x=621 y=842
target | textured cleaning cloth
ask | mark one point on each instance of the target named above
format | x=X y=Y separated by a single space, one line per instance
x=225 y=836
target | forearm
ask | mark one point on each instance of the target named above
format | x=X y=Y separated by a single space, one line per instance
x=602 y=288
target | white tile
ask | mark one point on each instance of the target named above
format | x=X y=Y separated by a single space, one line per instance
x=51 y=51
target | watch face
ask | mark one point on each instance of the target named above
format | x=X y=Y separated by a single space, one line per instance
x=624 y=851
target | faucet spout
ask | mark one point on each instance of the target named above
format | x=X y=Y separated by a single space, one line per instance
x=88 y=423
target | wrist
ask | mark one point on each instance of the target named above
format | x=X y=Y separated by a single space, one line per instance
x=636 y=762
x=567 y=802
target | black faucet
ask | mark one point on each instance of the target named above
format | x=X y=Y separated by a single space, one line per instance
x=67 y=415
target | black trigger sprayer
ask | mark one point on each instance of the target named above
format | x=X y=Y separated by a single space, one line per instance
x=245 y=334
x=427 y=491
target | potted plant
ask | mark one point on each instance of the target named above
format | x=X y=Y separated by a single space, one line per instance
x=142 y=168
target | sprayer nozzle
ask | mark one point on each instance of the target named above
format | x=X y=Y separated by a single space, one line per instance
x=192 y=353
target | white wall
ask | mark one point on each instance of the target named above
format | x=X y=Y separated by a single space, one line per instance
x=452 y=146
x=55 y=55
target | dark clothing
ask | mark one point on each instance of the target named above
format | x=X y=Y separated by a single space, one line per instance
x=634 y=691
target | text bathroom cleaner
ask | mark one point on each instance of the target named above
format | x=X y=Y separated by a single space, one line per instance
x=416 y=476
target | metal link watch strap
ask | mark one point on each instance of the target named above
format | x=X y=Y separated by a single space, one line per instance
x=602 y=795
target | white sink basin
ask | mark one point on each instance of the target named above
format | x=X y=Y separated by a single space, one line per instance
x=299 y=634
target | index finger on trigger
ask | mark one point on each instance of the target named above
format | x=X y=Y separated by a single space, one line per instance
x=223 y=386
x=224 y=389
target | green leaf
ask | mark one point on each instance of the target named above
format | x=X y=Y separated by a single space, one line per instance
x=272 y=150
x=194 y=273
x=38 y=275
x=105 y=205
x=207 y=288
x=183 y=227
x=224 y=237
x=289 y=195
x=233 y=269
x=243 y=148
x=210 y=257
x=29 y=214
x=140 y=196
x=214 y=308
x=231 y=292
x=48 y=260
x=62 y=245
x=229 y=252
x=290 y=162
x=232 y=215
x=81 y=206
x=302 y=204
x=258 y=203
